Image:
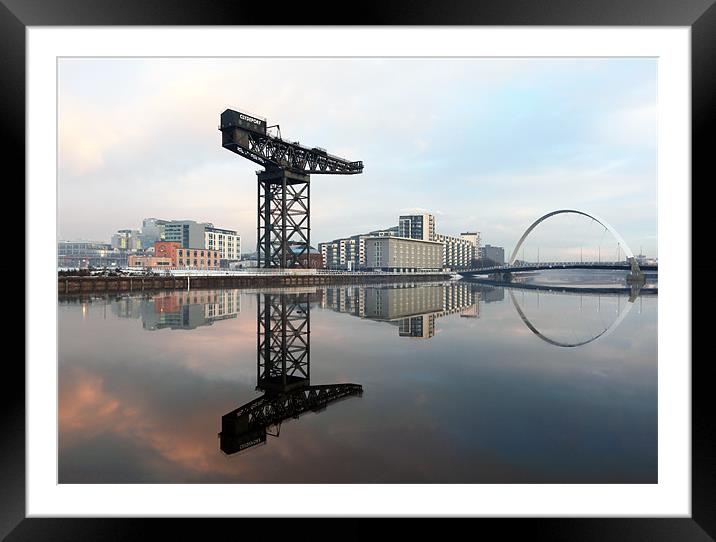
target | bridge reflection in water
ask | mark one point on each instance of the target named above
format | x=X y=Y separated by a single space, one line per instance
x=605 y=331
x=630 y=294
x=283 y=374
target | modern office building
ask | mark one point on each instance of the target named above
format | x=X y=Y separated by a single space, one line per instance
x=496 y=254
x=129 y=240
x=402 y=255
x=152 y=231
x=458 y=252
x=421 y=226
x=188 y=233
x=227 y=242
x=83 y=254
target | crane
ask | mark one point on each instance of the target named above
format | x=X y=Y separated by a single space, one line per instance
x=284 y=222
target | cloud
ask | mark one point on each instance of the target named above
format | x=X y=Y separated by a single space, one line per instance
x=470 y=140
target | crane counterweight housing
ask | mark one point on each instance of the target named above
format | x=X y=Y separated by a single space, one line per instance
x=283 y=201
x=238 y=120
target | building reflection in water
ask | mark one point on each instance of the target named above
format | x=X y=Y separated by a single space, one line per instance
x=283 y=375
x=180 y=309
x=413 y=308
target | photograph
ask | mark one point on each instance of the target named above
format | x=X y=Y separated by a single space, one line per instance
x=288 y=263
x=358 y=270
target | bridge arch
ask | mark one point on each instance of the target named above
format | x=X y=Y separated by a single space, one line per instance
x=615 y=234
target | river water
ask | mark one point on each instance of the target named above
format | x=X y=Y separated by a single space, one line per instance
x=453 y=382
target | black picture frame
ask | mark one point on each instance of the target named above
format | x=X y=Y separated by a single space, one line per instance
x=699 y=15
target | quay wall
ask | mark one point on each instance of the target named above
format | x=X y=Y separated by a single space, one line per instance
x=81 y=284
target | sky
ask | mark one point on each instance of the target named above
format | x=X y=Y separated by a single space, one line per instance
x=485 y=144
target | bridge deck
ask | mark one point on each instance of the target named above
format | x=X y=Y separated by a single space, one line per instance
x=613 y=266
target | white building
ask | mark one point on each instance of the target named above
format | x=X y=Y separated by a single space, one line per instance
x=349 y=252
x=458 y=252
x=226 y=242
x=475 y=238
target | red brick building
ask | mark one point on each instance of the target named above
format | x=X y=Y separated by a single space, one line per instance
x=149 y=262
x=166 y=249
x=196 y=258
x=312 y=260
x=171 y=255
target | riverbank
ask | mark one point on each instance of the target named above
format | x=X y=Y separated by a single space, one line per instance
x=81 y=284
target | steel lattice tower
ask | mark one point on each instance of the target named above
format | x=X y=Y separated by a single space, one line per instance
x=284 y=220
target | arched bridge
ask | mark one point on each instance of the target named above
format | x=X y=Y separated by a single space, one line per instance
x=630 y=264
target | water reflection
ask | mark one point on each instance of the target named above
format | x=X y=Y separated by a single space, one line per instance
x=283 y=327
x=602 y=331
x=483 y=398
x=412 y=308
x=180 y=309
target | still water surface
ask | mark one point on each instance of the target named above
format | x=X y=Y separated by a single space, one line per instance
x=449 y=382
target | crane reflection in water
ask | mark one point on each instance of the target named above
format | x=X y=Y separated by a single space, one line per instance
x=283 y=328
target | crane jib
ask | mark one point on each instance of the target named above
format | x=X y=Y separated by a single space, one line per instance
x=246 y=135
